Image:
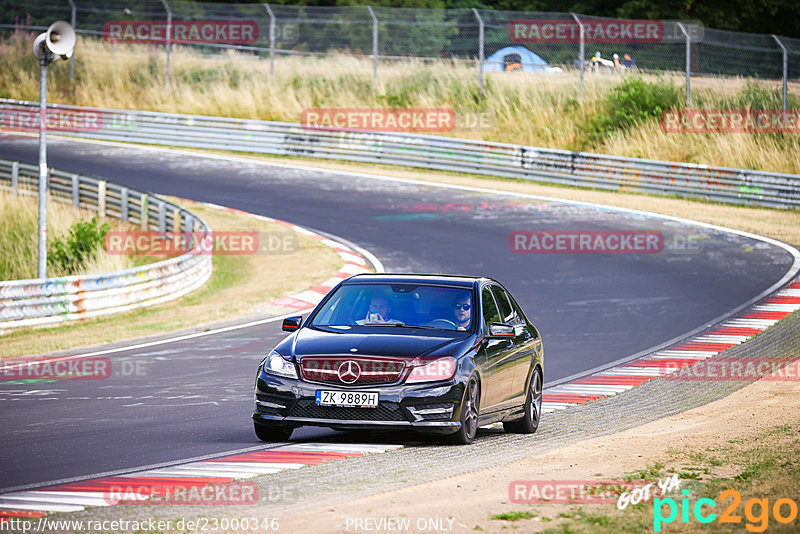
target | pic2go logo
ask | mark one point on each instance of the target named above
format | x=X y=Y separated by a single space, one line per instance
x=756 y=511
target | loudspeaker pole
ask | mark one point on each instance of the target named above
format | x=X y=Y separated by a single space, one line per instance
x=42 y=271
x=58 y=42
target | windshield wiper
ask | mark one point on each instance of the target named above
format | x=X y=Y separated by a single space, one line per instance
x=402 y=325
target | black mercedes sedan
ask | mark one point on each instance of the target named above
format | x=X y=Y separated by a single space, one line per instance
x=429 y=353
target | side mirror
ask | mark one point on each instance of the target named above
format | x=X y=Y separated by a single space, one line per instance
x=500 y=330
x=290 y=324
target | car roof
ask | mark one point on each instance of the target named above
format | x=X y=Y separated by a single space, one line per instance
x=429 y=279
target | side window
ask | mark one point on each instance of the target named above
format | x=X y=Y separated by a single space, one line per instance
x=490 y=314
x=521 y=315
x=506 y=313
x=517 y=309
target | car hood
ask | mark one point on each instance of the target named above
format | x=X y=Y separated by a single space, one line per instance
x=404 y=343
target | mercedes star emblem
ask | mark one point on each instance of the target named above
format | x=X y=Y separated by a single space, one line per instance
x=349 y=371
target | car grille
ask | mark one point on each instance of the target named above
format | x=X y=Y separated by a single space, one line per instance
x=386 y=411
x=370 y=370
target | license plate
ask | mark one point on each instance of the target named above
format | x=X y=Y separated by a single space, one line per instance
x=358 y=399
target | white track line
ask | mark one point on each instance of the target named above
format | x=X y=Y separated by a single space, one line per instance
x=198 y=474
x=7 y=503
x=777 y=307
x=632 y=371
x=761 y=324
x=270 y=465
x=684 y=354
x=721 y=338
x=788 y=293
x=47 y=497
x=341 y=447
x=589 y=389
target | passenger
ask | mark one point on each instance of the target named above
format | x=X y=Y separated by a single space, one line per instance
x=463 y=311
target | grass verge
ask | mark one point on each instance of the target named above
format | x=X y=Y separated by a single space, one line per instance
x=744 y=478
x=238 y=286
x=18 y=239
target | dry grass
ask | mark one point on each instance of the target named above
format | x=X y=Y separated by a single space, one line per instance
x=762 y=152
x=762 y=467
x=238 y=287
x=18 y=238
x=529 y=109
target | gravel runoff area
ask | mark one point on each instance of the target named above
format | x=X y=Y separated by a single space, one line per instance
x=302 y=490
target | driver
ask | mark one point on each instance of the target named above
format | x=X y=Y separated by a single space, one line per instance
x=463 y=311
x=379 y=311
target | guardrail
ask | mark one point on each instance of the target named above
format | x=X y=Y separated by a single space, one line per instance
x=616 y=173
x=53 y=300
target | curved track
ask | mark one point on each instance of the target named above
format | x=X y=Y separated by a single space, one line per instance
x=195 y=395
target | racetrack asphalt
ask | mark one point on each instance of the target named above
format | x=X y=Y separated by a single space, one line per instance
x=194 y=397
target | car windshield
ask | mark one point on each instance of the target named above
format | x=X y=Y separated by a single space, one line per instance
x=400 y=305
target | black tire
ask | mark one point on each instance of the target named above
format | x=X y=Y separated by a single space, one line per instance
x=272 y=432
x=470 y=411
x=533 y=408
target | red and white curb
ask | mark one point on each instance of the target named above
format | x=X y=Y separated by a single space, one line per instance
x=735 y=331
x=76 y=496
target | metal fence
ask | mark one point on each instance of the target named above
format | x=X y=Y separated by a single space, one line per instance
x=616 y=173
x=478 y=37
x=53 y=300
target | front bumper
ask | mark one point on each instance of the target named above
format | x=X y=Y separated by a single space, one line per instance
x=427 y=407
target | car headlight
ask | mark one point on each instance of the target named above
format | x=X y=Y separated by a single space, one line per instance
x=274 y=364
x=432 y=370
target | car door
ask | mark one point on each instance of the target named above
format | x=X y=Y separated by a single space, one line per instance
x=521 y=349
x=498 y=369
x=528 y=341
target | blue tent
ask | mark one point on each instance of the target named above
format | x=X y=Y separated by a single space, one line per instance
x=515 y=55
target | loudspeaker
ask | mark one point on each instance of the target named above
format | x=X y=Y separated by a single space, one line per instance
x=59 y=40
x=39 y=49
